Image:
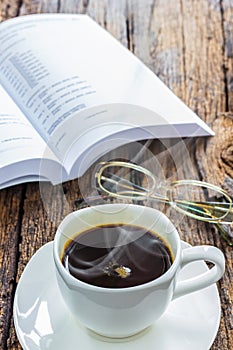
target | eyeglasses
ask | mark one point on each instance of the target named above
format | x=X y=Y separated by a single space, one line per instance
x=196 y=199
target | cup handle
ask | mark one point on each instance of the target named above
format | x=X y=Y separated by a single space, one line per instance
x=205 y=253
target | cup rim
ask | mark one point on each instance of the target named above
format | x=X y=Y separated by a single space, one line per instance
x=74 y=282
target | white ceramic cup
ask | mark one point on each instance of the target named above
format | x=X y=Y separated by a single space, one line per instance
x=122 y=312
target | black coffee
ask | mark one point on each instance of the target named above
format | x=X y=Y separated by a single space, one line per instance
x=116 y=256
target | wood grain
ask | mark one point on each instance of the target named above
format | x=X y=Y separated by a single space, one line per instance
x=189 y=45
x=10 y=227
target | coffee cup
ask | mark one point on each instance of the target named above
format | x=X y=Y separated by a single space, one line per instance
x=126 y=308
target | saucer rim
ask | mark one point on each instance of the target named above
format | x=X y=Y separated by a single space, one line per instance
x=49 y=245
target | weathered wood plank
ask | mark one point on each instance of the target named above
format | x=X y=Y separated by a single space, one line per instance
x=206 y=85
x=44 y=207
x=11 y=201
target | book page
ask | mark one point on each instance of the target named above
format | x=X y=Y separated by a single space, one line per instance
x=18 y=139
x=43 y=71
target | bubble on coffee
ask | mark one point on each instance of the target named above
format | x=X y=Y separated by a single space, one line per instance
x=117 y=256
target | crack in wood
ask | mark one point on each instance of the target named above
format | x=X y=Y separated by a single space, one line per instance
x=224 y=67
x=20 y=3
x=129 y=34
x=58 y=6
x=183 y=39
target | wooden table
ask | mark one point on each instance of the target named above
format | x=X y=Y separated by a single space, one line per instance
x=189 y=45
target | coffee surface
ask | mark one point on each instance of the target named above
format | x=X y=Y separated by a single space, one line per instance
x=116 y=256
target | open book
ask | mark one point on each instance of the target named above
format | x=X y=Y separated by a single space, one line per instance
x=69 y=92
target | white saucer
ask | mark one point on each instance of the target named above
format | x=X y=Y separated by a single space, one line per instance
x=43 y=322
